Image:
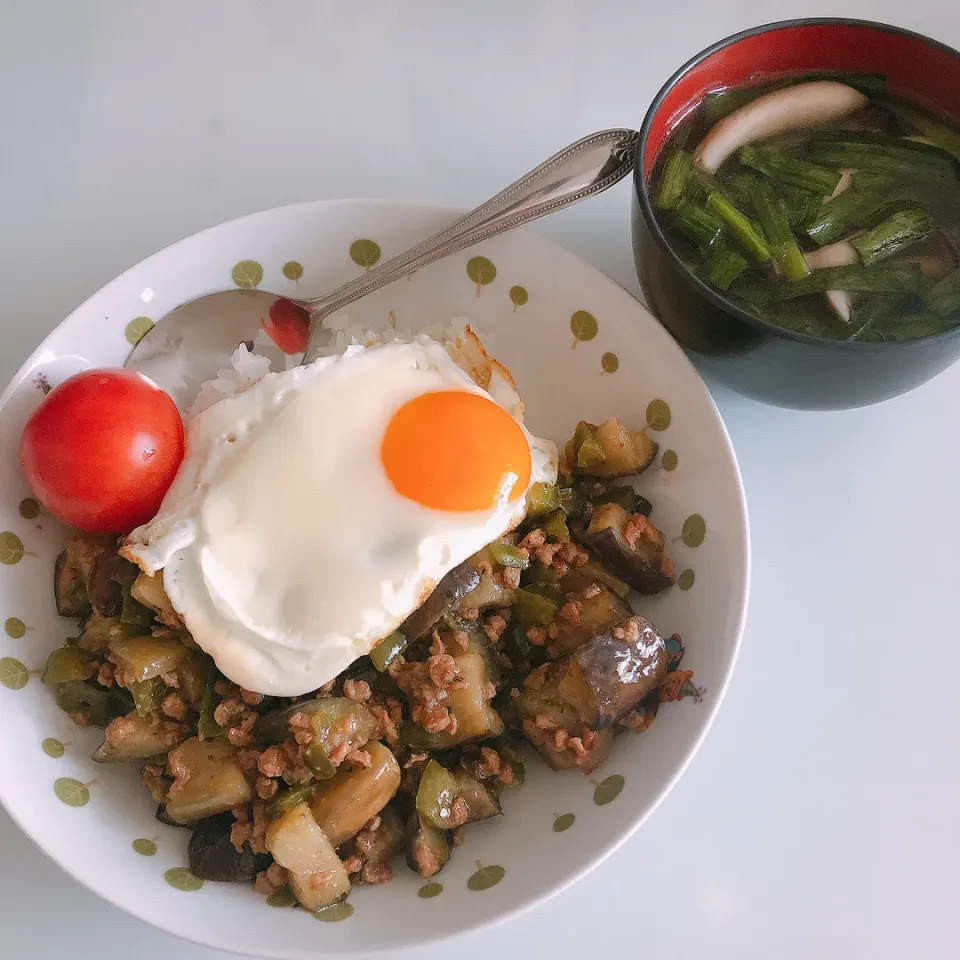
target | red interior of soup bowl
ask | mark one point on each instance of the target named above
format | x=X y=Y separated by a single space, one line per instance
x=917 y=69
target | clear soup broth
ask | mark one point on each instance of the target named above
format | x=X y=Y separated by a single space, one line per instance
x=820 y=204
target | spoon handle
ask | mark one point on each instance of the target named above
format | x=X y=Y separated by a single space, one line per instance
x=582 y=170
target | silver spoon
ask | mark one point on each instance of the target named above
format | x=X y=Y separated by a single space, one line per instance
x=191 y=343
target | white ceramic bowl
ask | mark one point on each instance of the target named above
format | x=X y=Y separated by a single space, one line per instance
x=97 y=821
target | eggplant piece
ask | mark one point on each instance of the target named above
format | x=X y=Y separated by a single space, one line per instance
x=320 y=888
x=579 y=578
x=574 y=500
x=617 y=673
x=546 y=702
x=565 y=760
x=74 y=569
x=103 y=587
x=334 y=721
x=603 y=680
x=384 y=844
x=98 y=632
x=642 y=563
x=144 y=658
x=213 y=857
x=470 y=704
x=489 y=591
x=216 y=781
x=609 y=450
x=161 y=816
x=146 y=738
x=84 y=549
x=132 y=613
x=488 y=594
x=428 y=849
x=343 y=804
x=316 y=874
x=100 y=705
x=481 y=801
x=149 y=591
x=451 y=588
x=69 y=590
x=599 y=614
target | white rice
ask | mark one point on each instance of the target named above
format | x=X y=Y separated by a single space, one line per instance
x=247 y=367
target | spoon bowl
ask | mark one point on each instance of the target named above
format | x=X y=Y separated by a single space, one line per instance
x=192 y=342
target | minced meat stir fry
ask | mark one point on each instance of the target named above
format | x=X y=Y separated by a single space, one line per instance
x=533 y=638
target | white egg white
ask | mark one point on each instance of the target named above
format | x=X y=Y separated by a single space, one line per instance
x=284 y=546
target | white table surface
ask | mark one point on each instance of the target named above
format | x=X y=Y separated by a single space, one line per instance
x=820 y=817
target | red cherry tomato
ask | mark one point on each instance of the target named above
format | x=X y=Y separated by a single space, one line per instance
x=289 y=326
x=101 y=450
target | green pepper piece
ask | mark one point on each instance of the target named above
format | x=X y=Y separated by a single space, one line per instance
x=573 y=500
x=133 y=613
x=507 y=555
x=435 y=796
x=515 y=759
x=542 y=498
x=623 y=496
x=67 y=664
x=412 y=735
x=387 y=650
x=534 y=609
x=590 y=453
x=548 y=589
x=207 y=727
x=555 y=525
x=191 y=672
x=516 y=643
x=148 y=695
x=317 y=758
x=286 y=801
x=540 y=573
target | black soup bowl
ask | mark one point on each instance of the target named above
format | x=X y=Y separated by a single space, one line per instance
x=749 y=354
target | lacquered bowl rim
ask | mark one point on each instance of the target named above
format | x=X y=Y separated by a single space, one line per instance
x=642 y=188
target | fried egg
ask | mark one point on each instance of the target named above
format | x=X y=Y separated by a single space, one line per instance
x=317 y=508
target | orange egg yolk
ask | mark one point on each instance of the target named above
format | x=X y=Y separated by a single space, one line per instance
x=453 y=450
